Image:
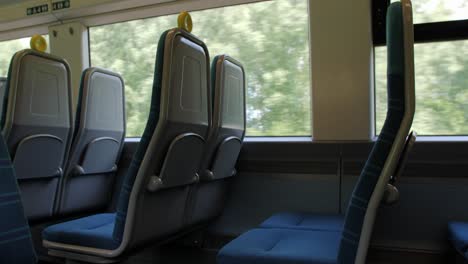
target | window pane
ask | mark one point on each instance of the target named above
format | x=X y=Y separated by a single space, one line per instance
x=426 y=11
x=9 y=48
x=441 y=76
x=380 y=54
x=269 y=38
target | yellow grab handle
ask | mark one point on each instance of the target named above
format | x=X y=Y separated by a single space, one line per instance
x=184 y=21
x=38 y=43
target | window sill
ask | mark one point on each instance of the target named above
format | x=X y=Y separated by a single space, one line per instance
x=250 y=139
x=438 y=139
x=442 y=139
x=278 y=139
x=132 y=139
x=430 y=139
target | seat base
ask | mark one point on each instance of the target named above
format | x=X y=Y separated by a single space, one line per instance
x=275 y=246
x=94 y=231
x=305 y=221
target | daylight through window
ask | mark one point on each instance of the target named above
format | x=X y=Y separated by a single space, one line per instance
x=9 y=48
x=269 y=38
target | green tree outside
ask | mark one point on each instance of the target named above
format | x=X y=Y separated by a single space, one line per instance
x=9 y=48
x=270 y=39
x=441 y=75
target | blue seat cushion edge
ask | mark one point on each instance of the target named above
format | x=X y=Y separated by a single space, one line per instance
x=305 y=221
x=458 y=236
x=94 y=231
x=274 y=246
x=16 y=244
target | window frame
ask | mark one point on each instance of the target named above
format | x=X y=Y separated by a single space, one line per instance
x=23 y=32
x=423 y=32
x=158 y=10
x=430 y=32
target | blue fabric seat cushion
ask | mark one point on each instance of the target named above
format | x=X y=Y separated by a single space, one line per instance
x=458 y=235
x=305 y=221
x=93 y=231
x=274 y=246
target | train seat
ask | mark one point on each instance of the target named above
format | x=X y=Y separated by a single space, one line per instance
x=152 y=201
x=15 y=238
x=94 y=231
x=97 y=143
x=277 y=246
x=349 y=245
x=37 y=116
x=225 y=139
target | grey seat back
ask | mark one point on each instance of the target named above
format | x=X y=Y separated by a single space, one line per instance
x=228 y=129
x=37 y=126
x=225 y=139
x=181 y=110
x=2 y=92
x=97 y=143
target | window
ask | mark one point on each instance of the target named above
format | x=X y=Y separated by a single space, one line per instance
x=441 y=77
x=441 y=71
x=426 y=11
x=269 y=38
x=9 y=48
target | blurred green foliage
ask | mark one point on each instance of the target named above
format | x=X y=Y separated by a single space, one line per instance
x=441 y=76
x=271 y=39
x=8 y=49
